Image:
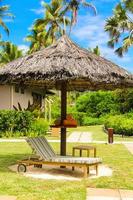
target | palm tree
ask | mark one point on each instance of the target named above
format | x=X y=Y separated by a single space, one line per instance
x=95 y=50
x=74 y=5
x=120 y=27
x=4 y=13
x=9 y=52
x=54 y=20
x=37 y=39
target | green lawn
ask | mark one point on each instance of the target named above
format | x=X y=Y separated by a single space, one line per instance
x=115 y=156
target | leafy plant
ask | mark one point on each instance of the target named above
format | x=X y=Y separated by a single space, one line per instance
x=15 y=121
x=40 y=127
x=122 y=124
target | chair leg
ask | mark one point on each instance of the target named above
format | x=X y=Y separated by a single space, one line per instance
x=72 y=168
x=85 y=171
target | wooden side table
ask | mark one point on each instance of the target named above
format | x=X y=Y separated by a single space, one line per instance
x=87 y=148
x=81 y=148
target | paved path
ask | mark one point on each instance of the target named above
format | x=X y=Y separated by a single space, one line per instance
x=12 y=140
x=8 y=198
x=109 y=194
x=82 y=137
x=129 y=147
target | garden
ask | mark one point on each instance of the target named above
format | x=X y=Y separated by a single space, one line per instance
x=110 y=109
x=39 y=38
x=28 y=188
x=95 y=112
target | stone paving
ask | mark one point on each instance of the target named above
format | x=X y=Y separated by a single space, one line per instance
x=109 y=194
x=8 y=198
x=129 y=147
x=82 y=137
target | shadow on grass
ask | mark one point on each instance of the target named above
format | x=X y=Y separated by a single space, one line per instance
x=8 y=160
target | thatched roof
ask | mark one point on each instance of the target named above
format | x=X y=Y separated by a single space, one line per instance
x=65 y=61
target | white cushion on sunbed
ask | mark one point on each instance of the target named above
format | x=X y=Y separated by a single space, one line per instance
x=79 y=160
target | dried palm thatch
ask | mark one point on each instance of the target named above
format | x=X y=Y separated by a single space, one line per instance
x=65 y=61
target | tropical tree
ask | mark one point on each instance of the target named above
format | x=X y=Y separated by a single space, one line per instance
x=37 y=39
x=120 y=27
x=4 y=13
x=74 y=5
x=54 y=20
x=9 y=52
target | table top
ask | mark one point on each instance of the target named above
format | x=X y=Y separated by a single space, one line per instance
x=84 y=147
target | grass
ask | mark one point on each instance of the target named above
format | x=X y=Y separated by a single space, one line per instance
x=27 y=188
x=115 y=156
x=97 y=131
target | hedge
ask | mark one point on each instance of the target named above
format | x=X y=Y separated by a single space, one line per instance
x=21 y=123
x=122 y=124
x=90 y=121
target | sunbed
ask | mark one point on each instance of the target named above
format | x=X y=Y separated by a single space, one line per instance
x=47 y=156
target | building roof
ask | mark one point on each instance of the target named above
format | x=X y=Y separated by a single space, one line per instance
x=65 y=61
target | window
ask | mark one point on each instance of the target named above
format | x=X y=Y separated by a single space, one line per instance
x=22 y=90
x=16 y=89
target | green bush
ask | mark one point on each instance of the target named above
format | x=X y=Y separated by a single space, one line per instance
x=122 y=124
x=96 y=104
x=90 y=121
x=78 y=116
x=15 y=121
x=40 y=127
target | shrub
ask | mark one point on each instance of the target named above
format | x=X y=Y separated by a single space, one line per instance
x=78 y=116
x=40 y=127
x=12 y=122
x=96 y=104
x=90 y=121
x=122 y=124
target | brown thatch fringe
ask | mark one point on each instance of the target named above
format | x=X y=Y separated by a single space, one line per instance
x=65 y=60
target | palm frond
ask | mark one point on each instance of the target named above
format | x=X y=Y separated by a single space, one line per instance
x=90 y=5
x=4 y=26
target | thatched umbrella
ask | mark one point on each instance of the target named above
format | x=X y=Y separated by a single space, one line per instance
x=65 y=66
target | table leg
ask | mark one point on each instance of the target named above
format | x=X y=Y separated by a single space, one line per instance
x=94 y=152
x=85 y=171
x=80 y=153
x=88 y=170
x=73 y=153
x=88 y=153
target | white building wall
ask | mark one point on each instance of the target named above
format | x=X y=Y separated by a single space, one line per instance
x=5 y=97
x=22 y=98
x=9 y=97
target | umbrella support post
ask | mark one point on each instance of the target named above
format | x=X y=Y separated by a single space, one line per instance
x=63 y=116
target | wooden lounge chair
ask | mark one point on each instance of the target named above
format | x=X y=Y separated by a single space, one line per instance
x=47 y=156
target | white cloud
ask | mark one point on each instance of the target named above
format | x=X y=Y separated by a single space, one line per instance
x=8 y=20
x=37 y=11
x=106 y=1
x=41 y=3
x=23 y=47
x=89 y=31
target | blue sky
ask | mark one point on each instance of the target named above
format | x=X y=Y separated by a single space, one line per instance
x=88 y=32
